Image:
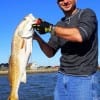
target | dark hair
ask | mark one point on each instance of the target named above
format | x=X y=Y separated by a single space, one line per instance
x=59 y=0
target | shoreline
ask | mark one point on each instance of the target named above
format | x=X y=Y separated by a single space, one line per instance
x=34 y=71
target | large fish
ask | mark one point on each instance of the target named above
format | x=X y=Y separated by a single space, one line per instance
x=21 y=49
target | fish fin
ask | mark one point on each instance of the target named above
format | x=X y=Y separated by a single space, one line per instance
x=23 y=78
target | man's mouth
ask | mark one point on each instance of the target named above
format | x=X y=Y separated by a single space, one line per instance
x=67 y=5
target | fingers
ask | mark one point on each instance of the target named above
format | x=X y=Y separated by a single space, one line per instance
x=37 y=21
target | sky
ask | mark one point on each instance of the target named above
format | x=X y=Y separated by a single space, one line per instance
x=13 y=11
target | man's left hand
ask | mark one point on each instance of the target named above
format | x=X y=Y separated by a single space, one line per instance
x=42 y=26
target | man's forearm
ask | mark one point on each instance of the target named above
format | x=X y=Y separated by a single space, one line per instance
x=49 y=52
x=71 y=34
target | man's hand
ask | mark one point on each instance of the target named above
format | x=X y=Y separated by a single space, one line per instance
x=42 y=26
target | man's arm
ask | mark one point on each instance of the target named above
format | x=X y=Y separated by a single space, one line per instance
x=71 y=34
x=48 y=51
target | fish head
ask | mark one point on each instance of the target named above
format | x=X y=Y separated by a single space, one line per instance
x=25 y=27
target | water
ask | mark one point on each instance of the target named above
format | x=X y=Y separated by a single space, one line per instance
x=39 y=86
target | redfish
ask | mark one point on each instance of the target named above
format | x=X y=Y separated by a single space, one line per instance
x=21 y=49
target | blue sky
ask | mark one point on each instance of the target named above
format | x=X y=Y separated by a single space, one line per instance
x=13 y=11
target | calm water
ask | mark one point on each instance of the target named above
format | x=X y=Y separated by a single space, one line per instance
x=38 y=87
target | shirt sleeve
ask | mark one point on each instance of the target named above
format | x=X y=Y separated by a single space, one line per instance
x=88 y=24
x=54 y=42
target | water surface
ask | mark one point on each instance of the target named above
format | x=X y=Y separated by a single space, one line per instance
x=39 y=86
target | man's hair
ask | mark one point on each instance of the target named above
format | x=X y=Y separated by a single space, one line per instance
x=58 y=1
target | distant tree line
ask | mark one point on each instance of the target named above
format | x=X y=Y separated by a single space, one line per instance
x=4 y=66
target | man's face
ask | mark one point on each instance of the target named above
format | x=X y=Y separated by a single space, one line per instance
x=67 y=5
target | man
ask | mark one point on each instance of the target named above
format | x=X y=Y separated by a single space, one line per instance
x=76 y=35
